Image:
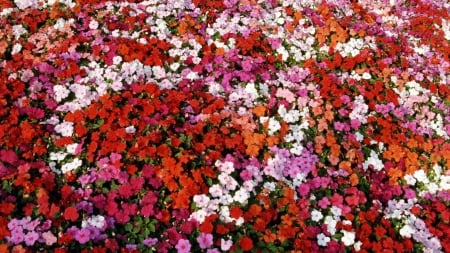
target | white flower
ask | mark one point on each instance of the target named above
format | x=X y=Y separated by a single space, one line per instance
x=61 y=92
x=331 y=224
x=407 y=231
x=444 y=183
x=374 y=161
x=71 y=148
x=359 y=136
x=71 y=166
x=269 y=186
x=58 y=156
x=225 y=214
x=366 y=76
x=410 y=179
x=239 y=221
x=215 y=190
x=241 y=195
x=199 y=215
x=432 y=188
x=316 y=215
x=97 y=221
x=226 y=199
x=249 y=185
x=65 y=128
x=225 y=167
x=274 y=126
x=201 y=200
x=336 y=211
x=322 y=239
x=225 y=245
x=421 y=176
x=130 y=130
x=6 y=11
x=357 y=246
x=348 y=238
x=93 y=25
x=16 y=48
x=23 y=4
x=117 y=59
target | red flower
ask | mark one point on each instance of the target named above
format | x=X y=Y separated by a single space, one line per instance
x=235 y=212
x=246 y=243
x=71 y=213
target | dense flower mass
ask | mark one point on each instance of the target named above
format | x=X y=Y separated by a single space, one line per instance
x=225 y=125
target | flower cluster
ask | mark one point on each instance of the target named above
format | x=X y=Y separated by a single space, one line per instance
x=224 y=125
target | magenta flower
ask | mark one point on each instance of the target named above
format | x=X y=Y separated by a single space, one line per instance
x=83 y=235
x=205 y=240
x=31 y=238
x=183 y=246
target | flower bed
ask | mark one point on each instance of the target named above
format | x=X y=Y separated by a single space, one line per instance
x=214 y=126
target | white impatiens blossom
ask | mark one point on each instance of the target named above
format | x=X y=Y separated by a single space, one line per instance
x=348 y=238
x=373 y=160
x=130 y=130
x=65 y=128
x=16 y=48
x=407 y=231
x=57 y=156
x=241 y=195
x=446 y=28
x=61 y=92
x=316 y=215
x=23 y=4
x=323 y=240
x=76 y=163
x=97 y=221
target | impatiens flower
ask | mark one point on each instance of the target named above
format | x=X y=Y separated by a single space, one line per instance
x=30 y=238
x=225 y=245
x=82 y=235
x=348 y=238
x=183 y=246
x=65 y=128
x=246 y=243
x=150 y=241
x=407 y=231
x=23 y=4
x=322 y=239
x=205 y=240
x=49 y=238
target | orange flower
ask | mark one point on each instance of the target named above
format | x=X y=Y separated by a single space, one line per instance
x=394 y=152
x=394 y=174
x=346 y=165
x=259 y=110
x=354 y=179
x=269 y=237
x=254 y=142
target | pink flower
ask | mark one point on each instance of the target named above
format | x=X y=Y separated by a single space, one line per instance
x=205 y=240
x=31 y=238
x=49 y=238
x=225 y=245
x=83 y=235
x=23 y=4
x=183 y=246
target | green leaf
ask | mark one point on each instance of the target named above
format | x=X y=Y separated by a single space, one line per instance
x=128 y=227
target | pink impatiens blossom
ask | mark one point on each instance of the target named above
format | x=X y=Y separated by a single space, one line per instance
x=49 y=238
x=30 y=238
x=83 y=235
x=205 y=240
x=183 y=246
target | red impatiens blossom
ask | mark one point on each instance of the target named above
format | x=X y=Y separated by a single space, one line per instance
x=246 y=243
x=71 y=213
